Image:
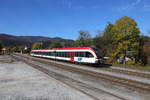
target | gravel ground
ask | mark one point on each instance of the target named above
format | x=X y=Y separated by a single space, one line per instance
x=104 y=72
x=117 y=90
x=18 y=81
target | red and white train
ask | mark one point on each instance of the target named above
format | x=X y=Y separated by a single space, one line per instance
x=82 y=55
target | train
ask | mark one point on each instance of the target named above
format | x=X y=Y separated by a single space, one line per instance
x=88 y=55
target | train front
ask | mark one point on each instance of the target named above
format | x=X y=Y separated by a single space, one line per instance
x=99 y=55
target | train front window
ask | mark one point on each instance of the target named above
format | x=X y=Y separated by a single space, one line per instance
x=88 y=54
x=97 y=51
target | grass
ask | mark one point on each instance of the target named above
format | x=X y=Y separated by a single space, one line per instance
x=140 y=67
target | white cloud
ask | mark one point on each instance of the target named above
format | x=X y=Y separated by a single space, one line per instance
x=130 y=6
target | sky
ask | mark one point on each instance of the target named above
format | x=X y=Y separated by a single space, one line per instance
x=65 y=18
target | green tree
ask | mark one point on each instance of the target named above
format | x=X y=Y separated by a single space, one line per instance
x=108 y=33
x=55 y=44
x=84 y=39
x=105 y=41
x=126 y=37
x=37 y=45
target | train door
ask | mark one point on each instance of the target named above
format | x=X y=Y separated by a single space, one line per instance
x=71 y=56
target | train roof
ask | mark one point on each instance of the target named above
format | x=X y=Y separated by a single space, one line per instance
x=80 y=48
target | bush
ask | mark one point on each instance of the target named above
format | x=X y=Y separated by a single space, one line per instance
x=148 y=60
x=130 y=62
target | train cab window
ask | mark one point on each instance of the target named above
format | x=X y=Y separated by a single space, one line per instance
x=88 y=54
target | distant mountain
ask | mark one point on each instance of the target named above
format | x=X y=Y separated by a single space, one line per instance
x=11 y=40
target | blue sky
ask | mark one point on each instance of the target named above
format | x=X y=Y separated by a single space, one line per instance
x=64 y=18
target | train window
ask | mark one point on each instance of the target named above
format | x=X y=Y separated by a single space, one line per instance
x=88 y=54
x=57 y=54
x=60 y=54
x=53 y=54
x=47 y=53
x=80 y=54
x=76 y=54
x=43 y=53
x=63 y=54
x=68 y=54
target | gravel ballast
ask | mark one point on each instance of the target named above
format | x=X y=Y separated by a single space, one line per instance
x=138 y=79
x=19 y=81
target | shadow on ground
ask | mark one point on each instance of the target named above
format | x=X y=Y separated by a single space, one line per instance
x=102 y=65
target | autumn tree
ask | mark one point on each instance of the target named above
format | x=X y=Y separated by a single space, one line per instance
x=55 y=44
x=126 y=37
x=37 y=45
x=84 y=39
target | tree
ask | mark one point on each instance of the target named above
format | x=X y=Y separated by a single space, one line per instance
x=14 y=49
x=108 y=33
x=144 y=50
x=84 y=39
x=126 y=37
x=37 y=45
x=55 y=44
x=105 y=42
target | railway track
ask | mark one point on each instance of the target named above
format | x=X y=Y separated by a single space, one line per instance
x=121 y=71
x=127 y=72
x=133 y=84
x=61 y=78
x=126 y=67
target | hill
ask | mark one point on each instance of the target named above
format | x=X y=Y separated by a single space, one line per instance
x=11 y=40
